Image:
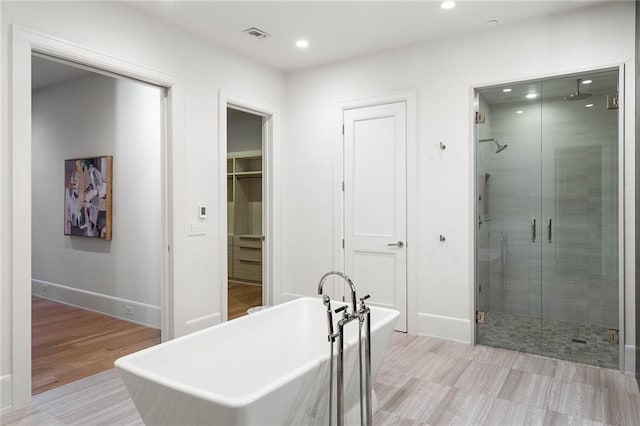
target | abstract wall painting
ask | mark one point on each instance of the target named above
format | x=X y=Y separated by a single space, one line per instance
x=88 y=196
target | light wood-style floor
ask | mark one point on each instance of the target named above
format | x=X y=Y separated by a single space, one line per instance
x=422 y=381
x=70 y=343
x=241 y=297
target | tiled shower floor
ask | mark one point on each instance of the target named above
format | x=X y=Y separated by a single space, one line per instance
x=556 y=340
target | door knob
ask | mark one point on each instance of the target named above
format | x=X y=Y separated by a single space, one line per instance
x=398 y=244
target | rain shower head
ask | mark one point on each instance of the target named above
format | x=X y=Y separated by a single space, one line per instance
x=499 y=147
x=577 y=96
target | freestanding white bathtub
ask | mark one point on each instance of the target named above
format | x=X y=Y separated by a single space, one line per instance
x=267 y=368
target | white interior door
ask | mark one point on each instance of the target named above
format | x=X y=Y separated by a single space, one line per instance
x=375 y=181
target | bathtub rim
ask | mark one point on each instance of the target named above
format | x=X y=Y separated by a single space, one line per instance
x=125 y=363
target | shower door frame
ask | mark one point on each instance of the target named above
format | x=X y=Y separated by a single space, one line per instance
x=620 y=67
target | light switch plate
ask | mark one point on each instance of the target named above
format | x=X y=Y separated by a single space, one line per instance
x=197 y=228
x=202 y=211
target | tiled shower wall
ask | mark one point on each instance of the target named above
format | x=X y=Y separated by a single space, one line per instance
x=573 y=180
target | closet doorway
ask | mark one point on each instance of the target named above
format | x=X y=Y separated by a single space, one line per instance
x=245 y=212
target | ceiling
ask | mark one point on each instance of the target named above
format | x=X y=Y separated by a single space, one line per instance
x=338 y=30
x=47 y=72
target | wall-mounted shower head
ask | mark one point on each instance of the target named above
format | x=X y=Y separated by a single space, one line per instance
x=577 y=96
x=499 y=147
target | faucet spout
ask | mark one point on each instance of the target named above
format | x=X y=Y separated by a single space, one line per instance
x=344 y=277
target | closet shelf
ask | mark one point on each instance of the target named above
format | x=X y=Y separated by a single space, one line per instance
x=248 y=174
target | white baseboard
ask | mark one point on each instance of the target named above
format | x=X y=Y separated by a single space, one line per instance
x=6 y=393
x=141 y=313
x=448 y=328
x=203 y=322
x=629 y=359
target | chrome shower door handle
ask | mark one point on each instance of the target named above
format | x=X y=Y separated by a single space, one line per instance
x=533 y=229
x=549 y=229
x=399 y=244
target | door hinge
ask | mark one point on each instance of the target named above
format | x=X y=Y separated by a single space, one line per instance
x=343 y=129
x=169 y=248
x=613 y=336
x=480 y=317
x=343 y=243
x=480 y=118
x=342 y=186
x=612 y=102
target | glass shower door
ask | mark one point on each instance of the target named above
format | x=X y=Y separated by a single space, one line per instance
x=547 y=225
x=509 y=222
x=580 y=219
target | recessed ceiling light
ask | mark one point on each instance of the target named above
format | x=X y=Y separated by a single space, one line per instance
x=302 y=44
x=588 y=105
x=507 y=90
x=532 y=95
x=448 y=4
x=519 y=111
x=587 y=81
x=492 y=22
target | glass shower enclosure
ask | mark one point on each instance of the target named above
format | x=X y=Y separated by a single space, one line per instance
x=547 y=217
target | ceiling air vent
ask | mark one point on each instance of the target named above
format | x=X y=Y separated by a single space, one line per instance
x=255 y=32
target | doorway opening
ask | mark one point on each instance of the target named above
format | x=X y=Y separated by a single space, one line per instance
x=95 y=281
x=245 y=212
x=548 y=217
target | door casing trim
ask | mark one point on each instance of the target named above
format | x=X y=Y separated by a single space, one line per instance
x=270 y=204
x=24 y=43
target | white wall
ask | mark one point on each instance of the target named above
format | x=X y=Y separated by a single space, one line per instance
x=91 y=116
x=244 y=131
x=444 y=72
x=202 y=68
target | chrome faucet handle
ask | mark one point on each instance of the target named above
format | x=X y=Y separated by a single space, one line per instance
x=362 y=299
x=343 y=309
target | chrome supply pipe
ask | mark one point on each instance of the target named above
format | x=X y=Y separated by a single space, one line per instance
x=340 y=380
x=331 y=386
x=362 y=416
x=327 y=302
x=364 y=319
x=367 y=349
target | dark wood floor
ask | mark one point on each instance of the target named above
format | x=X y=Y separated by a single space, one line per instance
x=242 y=297
x=70 y=343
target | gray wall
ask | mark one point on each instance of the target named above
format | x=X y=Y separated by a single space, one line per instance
x=92 y=116
x=244 y=131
